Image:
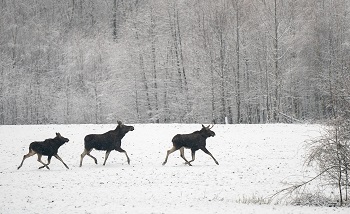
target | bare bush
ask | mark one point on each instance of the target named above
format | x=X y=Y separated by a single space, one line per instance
x=253 y=199
x=331 y=155
x=313 y=199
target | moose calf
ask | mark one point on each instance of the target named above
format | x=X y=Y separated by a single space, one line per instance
x=108 y=141
x=48 y=147
x=193 y=141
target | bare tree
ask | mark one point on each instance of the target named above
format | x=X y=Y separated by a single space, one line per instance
x=330 y=154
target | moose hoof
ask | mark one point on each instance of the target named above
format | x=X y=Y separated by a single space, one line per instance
x=188 y=163
x=43 y=167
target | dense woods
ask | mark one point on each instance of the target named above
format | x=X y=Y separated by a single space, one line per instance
x=161 y=61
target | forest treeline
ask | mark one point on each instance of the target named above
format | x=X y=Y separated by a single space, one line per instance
x=162 y=61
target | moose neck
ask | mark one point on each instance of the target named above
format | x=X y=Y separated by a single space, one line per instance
x=204 y=134
x=59 y=142
x=119 y=132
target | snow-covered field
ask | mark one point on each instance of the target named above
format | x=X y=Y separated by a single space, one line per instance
x=254 y=160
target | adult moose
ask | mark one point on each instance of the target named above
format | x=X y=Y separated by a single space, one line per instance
x=48 y=147
x=193 y=141
x=108 y=141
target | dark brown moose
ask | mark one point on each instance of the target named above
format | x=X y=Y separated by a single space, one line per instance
x=108 y=141
x=48 y=147
x=193 y=141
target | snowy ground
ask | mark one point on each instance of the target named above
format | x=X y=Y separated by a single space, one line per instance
x=254 y=160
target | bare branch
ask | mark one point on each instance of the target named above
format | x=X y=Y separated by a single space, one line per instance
x=292 y=188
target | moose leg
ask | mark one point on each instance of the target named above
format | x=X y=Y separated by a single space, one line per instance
x=48 y=162
x=126 y=154
x=86 y=152
x=207 y=152
x=182 y=154
x=193 y=152
x=106 y=156
x=59 y=158
x=31 y=153
x=39 y=159
x=82 y=157
x=168 y=153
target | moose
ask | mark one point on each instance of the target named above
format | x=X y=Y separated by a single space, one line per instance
x=108 y=141
x=193 y=141
x=48 y=147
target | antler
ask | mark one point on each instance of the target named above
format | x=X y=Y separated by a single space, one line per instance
x=208 y=127
x=212 y=125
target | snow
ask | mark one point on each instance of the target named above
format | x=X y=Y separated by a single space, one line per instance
x=254 y=160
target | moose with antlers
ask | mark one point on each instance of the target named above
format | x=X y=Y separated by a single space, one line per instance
x=193 y=141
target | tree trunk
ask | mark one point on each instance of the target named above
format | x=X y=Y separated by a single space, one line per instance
x=238 y=71
x=339 y=167
x=187 y=100
x=154 y=68
x=2 y=100
x=114 y=20
x=278 y=83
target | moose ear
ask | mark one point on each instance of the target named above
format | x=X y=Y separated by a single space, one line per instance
x=203 y=126
x=57 y=134
x=119 y=122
